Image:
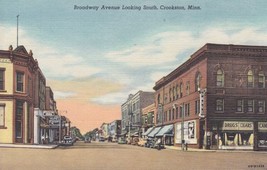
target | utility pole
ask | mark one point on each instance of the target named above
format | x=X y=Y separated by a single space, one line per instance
x=17 y=30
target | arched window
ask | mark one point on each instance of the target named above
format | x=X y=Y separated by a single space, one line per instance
x=173 y=93
x=181 y=89
x=159 y=99
x=250 y=78
x=219 y=78
x=261 y=80
x=170 y=93
x=197 y=81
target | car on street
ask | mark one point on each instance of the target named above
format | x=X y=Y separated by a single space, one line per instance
x=101 y=139
x=67 y=141
x=122 y=141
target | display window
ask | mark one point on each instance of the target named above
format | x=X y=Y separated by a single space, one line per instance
x=262 y=139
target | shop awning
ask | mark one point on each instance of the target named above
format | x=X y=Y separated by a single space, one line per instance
x=165 y=130
x=148 y=131
x=154 y=132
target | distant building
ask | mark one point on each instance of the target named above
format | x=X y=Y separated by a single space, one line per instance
x=217 y=98
x=114 y=129
x=132 y=112
x=148 y=120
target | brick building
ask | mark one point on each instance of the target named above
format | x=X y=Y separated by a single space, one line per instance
x=217 y=98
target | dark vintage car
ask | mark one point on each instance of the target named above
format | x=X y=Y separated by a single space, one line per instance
x=67 y=141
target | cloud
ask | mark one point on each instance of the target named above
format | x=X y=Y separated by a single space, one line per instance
x=164 y=47
x=55 y=63
x=83 y=90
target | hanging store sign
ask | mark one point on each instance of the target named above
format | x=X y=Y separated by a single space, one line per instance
x=234 y=125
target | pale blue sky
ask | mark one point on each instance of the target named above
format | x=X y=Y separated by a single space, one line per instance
x=130 y=48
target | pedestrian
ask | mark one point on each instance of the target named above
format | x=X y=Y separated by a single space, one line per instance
x=158 y=143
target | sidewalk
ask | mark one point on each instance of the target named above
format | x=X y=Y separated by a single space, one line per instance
x=28 y=146
x=208 y=150
x=189 y=149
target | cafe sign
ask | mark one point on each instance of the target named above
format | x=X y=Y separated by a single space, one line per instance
x=234 y=125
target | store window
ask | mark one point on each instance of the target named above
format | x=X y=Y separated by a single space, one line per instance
x=219 y=78
x=240 y=106
x=261 y=106
x=20 y=82
x=261 y=80
x=250 y=106
x=2 y=79
x=250 y=79
x=219 y=105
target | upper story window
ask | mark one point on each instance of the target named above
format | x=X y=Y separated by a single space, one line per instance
x=181 y=89
x=261 y=80
x=20 y=82
x=261 y=106
x=2 y=115
x=250 y=106
x=187 y=88
x=198 y=78
x=2 y=79
x=173 y=93
x=177 y=92
x=159 y=99
x=170 y=94
x=240 y=106
x=220 y=105
x=219 y=78
x=250 y=78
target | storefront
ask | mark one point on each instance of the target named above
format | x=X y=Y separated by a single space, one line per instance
x=238 y=135
x=189 y=134
x=166 y=134
x=262 y=135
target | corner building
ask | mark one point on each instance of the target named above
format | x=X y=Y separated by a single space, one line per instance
x=17 y=69
x=217 y=98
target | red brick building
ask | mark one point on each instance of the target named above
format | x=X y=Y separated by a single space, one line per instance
x=217 y=98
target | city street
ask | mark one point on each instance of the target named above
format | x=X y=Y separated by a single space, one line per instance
x=103 y=155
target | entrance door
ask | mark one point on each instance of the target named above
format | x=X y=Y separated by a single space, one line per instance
x=19 y=122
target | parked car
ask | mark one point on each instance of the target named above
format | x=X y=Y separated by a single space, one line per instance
x=87 y=140
x=122 y=141
x=67 y=140
x=101 y=139
x=141 y=142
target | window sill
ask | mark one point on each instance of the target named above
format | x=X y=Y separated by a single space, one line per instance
x=4 y=91
x=3 y=127
x=219 y=112
x=239 y=112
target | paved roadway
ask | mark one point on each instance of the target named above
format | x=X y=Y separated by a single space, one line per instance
x=102 y=156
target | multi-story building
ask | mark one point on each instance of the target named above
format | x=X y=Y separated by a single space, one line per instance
x=132 y=112
x=217 y=98
x=17 y=75
x=148 y=120
x=114 y=129
x=24 y=112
